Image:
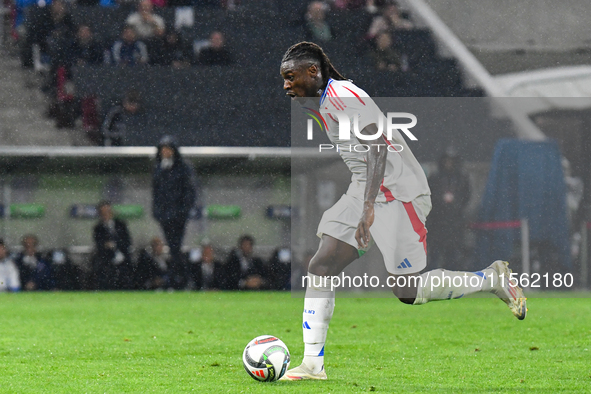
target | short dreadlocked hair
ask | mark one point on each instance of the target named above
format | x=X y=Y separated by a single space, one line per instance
x=312 y=52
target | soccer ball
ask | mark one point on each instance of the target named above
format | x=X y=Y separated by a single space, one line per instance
x=266 y=358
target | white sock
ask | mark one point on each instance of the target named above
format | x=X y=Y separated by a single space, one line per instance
x=442 y=284
x=318 y=309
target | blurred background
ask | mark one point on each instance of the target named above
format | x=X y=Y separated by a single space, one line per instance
x=89 y=87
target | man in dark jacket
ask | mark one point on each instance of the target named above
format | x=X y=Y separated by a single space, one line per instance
x=207 y=273
x=173 y=196
x=112 y=264
x=244 y=271
x=86 y=49
x=151 y=271
x=114 y=128
x=35 y=271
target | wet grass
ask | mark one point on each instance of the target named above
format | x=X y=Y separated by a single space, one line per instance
x=193 y=342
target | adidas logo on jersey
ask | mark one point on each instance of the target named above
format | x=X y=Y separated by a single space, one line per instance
x=405 y=264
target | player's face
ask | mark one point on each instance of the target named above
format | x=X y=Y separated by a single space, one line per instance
x=300 y=79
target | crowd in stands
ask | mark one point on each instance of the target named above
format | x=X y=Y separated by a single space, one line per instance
x=144 y=38
x=115 y=266
x=31 y=269
x=55 y=44
x=55 y=40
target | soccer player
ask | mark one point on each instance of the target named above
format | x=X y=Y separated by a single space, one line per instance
x=388 y=201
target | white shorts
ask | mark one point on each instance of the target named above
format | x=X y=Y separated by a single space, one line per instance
x=398 y=230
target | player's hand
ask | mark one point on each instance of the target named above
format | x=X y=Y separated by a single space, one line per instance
x=362 y=234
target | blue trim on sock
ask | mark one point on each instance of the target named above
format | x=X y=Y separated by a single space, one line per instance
x=321 y=352
x=481 y=274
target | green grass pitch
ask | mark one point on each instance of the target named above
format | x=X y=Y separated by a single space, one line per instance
x=192 y=342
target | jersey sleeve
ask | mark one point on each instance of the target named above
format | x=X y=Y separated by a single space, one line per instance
x=369 y=113
x=347 y=98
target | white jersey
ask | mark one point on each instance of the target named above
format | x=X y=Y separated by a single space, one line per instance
x=404 y=178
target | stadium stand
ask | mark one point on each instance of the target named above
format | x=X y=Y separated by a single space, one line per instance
x=243 y=104
x=252 y=110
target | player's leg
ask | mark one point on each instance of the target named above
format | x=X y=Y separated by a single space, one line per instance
x=330 y=259
x=443 y=284
x=406 y=257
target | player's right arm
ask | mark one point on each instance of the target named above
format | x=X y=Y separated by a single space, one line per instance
x=376 y=167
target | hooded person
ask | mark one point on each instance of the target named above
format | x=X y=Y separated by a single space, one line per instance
x=173 y=196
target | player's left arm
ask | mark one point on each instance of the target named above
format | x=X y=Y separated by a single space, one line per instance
x=376 y=167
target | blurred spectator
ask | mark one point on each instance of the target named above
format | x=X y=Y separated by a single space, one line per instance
x=60 y=89
x=109 y=3
x=87 y=3
x=171 y=50
x=152 y=267
x=349 y=4
x=575 y=189
x=128 y=50
x=280 y=269
x=450 y=193
x=34 y=270
x=85 y=49
x=18 y=16
x=182 y=3
x=9 y=277
x=124 y=4
x=384 y=56
x=207 y=273
x=114 y=127
x=243 y=270
x=317 y=29
x=146 y=24
x=389 y=20
x=112 y=262
x=66 y=275
x=374 y=6
x=52 y=33
x=52 y=29
x=216 y=53
x=230 y=5
x=61 y=32
x=173 y=196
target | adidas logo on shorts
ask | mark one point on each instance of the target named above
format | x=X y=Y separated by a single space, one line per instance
x=404 y=264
